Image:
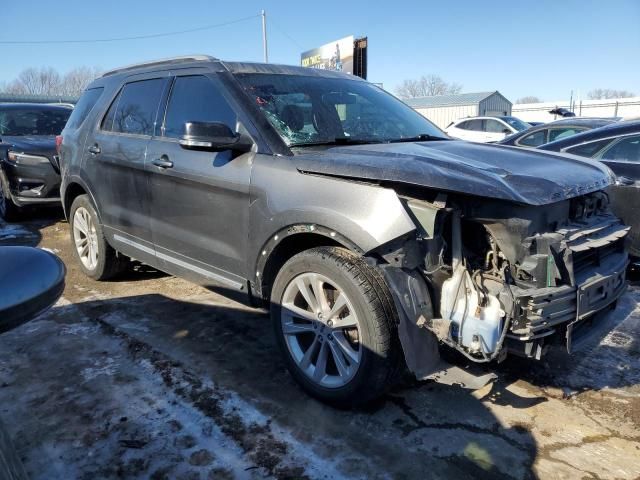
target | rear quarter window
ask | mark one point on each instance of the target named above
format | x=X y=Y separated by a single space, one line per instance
x=589 y=149
x=83 y=107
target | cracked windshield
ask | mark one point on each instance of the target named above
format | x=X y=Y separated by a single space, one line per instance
x=306 y=110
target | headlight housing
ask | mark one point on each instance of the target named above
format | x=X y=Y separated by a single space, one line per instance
x=26 y=159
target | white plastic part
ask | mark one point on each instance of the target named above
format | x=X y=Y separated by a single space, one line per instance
x=478 y=327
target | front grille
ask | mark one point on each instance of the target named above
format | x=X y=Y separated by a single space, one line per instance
x=594 y=257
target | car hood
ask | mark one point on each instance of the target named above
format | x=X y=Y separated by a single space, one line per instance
x=35 y=144
x=493 y=171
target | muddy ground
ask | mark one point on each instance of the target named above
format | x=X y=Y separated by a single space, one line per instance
x=153 y=377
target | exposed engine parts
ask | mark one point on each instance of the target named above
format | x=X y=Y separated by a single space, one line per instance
x=508 y=278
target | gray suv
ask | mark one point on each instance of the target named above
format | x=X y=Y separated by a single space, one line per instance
x=375 y=240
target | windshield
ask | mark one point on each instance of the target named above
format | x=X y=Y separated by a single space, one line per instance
x=33 y=121
x=318 y=110
x=516 y=123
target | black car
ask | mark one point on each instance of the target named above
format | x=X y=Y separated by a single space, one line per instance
x=29 y=171
x=618 y=146
x=548 y=132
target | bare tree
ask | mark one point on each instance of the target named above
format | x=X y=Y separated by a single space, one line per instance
x=35 y=81
x=529 y=99
x=427 y=86
x=47 y=81
x=76 y=81
x=606 y=93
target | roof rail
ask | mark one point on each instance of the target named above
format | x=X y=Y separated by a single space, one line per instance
x=163 y=61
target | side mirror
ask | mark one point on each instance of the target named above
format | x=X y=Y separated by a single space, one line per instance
x=31 y=281
x=506 y=131
x=215 y=136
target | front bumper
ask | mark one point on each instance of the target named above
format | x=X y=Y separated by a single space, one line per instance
x=31 y=184
x=598 y=278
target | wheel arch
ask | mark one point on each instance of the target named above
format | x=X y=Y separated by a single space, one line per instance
x=74 y=189
x=288 y=242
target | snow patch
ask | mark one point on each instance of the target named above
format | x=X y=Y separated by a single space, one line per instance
x=101 y=367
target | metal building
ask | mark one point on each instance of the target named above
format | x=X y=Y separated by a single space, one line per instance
x=444 y=109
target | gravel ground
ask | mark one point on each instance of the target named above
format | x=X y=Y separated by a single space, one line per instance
x=153 y=377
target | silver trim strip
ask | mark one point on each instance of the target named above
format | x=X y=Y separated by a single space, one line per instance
x=180 y=263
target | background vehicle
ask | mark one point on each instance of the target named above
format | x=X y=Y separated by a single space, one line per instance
x=618 y=146
x=562 y=112
x=485 y=129
x=548 y=132
x=29 y=171
x=367 y=231
x=31 y=280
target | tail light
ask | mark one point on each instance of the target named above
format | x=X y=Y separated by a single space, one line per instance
x=58 y=143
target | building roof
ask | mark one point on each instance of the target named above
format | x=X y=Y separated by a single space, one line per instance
x=449 y=100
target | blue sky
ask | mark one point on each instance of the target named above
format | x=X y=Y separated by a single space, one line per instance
x=544 y=48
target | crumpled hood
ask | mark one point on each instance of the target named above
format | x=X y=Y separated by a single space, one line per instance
x=44 y=145
x=493 y=171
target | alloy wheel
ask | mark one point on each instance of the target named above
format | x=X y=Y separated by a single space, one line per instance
x=321 y=330
x=85 y=238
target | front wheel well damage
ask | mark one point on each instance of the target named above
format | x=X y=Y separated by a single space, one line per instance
x=291 y=242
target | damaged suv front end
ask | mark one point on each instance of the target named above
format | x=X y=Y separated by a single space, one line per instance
x=508 y=278
x=506 y=250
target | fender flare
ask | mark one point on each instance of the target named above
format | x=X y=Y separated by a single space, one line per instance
x=275 y=240
x=78 y=180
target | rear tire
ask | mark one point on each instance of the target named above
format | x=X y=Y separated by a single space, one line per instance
x=8 y=210
x=353 y=319
x=96 y=257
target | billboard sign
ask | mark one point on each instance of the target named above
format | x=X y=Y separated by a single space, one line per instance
x=336 y=55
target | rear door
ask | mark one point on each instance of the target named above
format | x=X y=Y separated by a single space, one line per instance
x=495 y=130
x=115 y=156
x=199 y=199
x=623 y=157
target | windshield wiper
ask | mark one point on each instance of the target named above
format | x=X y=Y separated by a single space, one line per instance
x=422 y=137
x=338 y=141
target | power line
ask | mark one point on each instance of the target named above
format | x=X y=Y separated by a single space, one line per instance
x=120 y=39
x=282 y=31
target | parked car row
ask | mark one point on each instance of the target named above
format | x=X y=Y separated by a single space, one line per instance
x=374 y=239
x=485 y=129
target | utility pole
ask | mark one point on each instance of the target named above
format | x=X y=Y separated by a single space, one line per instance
x=264 y=36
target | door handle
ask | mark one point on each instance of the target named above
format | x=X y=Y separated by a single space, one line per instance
x=94 y=149
x=162 y=162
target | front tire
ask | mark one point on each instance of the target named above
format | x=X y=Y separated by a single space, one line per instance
x=336 y=325
x=8 y=210
x=96 y=257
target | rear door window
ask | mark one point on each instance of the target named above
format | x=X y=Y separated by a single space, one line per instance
x=558 y=133
x=625 y=150
x=495 y=126
x=83 y=107
x=534 y=139
x=589 y=149
x=196 y=98
x=475 y=125
x=134 y=110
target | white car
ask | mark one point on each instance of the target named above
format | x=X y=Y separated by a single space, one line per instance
x=485 y=129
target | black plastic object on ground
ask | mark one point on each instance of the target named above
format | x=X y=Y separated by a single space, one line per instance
x=31 y=280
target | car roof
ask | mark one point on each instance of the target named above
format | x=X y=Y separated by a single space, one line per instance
x=35 y=106
x=582 y=121
x=232 y=67
x=614 y=129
